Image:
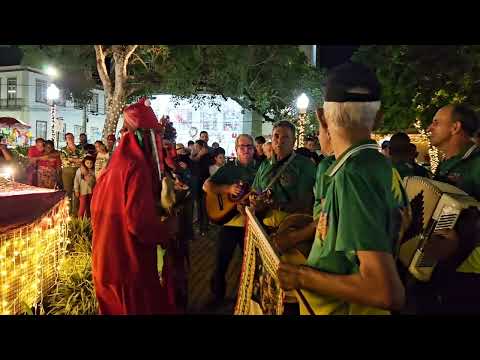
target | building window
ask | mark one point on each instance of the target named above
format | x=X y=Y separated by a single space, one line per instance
x=11 y=89
x=41 y=129
x=104 y=104
x=40 y=91
x=62 y=99
x=77 y=130
x=209 y=120
x=95 y=134
x=94 y=104
x=77 y=104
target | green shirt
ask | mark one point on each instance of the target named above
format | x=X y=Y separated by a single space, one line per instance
x=462 y=173
x=365 y=208
x=67 y=156
x=293 y=190
x=233 y=172
x=320 y=185
x=230 y=174
x=406 y=168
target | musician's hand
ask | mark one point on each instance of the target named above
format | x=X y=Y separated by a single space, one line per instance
x=241 y=209
x=289 y=276
x=442 y=245
x=256 y=203
x=77 y=194
x=183 y=165
x=234 y=189
x=282 y=241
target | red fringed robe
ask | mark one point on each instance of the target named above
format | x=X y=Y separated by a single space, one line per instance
x=126 y=231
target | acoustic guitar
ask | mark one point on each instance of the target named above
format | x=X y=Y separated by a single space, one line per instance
x=221 y=208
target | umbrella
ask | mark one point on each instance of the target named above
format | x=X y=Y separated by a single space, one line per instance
x=9 y=122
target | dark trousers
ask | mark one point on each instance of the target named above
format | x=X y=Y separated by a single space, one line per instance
x=229 y=238
x=199 y=196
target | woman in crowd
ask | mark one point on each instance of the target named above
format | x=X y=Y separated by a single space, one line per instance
x=34 y=153
x=83 y=185
x=49 y=167
x=71 y=159
x=102 y=158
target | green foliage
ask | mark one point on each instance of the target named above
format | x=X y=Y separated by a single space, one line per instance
x=75 y=292
x=419 y=79
x=261 y=78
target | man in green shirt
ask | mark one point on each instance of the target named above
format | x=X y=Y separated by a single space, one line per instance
x=400 y=154
x=351 y=267
x=227 y=181
x=456 y=279
x=289 y=177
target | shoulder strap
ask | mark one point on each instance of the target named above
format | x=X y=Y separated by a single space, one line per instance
x=280 y=171
x=349 y=154
x=470 y=151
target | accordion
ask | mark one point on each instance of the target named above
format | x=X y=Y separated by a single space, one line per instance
x=435 y=206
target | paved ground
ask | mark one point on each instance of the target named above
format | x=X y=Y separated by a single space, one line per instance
x=202 y=260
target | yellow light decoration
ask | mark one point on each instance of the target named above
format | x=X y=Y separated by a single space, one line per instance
x=29 y=259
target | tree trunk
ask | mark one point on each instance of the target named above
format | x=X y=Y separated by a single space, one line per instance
x=115 y=86
x=113 y=111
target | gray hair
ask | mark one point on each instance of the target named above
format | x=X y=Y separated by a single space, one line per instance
x=284 y=124
x=352 y=115
x=243 y=135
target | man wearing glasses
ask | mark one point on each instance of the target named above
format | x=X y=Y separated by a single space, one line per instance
x=227 y=180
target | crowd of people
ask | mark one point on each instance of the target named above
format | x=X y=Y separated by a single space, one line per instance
x=73 y=168
x=351 y=187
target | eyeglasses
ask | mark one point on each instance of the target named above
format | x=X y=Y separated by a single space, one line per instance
x=246 y=147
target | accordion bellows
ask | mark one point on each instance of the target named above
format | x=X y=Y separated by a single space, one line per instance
x=435 y=206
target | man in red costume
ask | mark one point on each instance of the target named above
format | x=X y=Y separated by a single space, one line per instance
x=126 y=228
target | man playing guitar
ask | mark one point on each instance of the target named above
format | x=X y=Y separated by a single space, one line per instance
x=288 y=176
x=231 y=179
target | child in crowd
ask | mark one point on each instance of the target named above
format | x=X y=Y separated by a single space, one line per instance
x=83 y=185
x=218 y=160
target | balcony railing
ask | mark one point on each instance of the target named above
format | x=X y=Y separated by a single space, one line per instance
x=12 y=104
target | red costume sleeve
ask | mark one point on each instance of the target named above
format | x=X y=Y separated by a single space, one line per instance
x=141 y=218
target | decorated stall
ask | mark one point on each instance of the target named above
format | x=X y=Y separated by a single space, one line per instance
x=16 y=132
x=33 y=239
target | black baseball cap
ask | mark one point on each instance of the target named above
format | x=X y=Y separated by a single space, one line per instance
x=352 y=82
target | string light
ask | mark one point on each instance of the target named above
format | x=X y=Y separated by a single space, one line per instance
x=432 y=150
x=29 y=259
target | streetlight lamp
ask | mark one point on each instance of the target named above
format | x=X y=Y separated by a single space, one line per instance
x=302 y=105
x=52 y=94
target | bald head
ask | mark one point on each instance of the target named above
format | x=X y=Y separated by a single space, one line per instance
x=457 y=122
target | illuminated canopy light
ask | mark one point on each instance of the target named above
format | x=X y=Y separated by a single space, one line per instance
x=53 y=92
x=302 y=103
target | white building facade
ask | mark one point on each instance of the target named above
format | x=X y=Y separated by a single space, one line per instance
x=23 y=96
x=222 y=126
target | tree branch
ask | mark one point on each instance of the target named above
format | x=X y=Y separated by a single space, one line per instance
x=129 y=51
x=102 y=69
x=138 y=58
